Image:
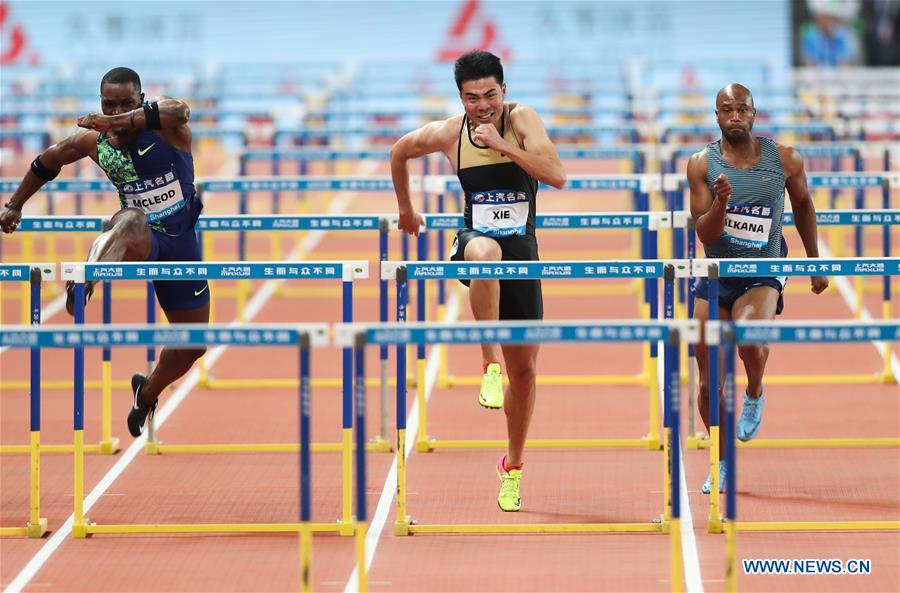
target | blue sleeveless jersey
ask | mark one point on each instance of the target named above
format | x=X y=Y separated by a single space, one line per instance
x=154 y=177
x=754 y=216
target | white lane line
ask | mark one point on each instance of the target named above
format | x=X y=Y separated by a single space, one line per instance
x=689 y=552
x=376 y=526
x=259 y=299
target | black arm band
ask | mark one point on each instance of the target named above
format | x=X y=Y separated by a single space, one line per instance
x=40 y=170
x=151 y=115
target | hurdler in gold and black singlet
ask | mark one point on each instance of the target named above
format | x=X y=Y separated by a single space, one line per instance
x=501 y=199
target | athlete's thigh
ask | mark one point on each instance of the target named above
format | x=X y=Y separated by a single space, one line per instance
x=194 y=315
x=760 y=302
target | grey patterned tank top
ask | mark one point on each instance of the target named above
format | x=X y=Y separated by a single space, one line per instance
x=754 y=215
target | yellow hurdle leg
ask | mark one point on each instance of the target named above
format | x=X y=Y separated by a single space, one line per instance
x=361 y=528
x=37 y=525
x=25 y=302
x=243 y=290
x=401 y=525
x=203 y=379
x=667 y=479
x=677 y=563
x=858 y=287
x=347 y=482
x=443 y=372
x=108 y=444
x=731 y=569
x=79 y=526
x=305 y=558
x=422 y=440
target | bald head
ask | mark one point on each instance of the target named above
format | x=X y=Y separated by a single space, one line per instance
x=735 y=112
x=734 y=92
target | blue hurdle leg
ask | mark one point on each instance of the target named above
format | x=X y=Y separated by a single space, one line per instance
x=79 y=529
x=305 y=468
x=731 y=478
x=401 y=527
x=383 y=350
x=37 y=525
x=361 y=512
x=347 y=415
x=715 y=519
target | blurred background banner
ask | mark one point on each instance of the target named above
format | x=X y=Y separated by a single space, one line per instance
x=62 y=32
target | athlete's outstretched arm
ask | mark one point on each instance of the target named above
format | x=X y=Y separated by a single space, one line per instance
x=803 y=207
x=171 y=114
x=708 y=211
x=168 y=116
x=433 y=137
x=539 y=158
x=46 y=166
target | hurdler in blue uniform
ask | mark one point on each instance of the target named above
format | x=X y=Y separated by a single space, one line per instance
x=145 y=150
x=737 y=201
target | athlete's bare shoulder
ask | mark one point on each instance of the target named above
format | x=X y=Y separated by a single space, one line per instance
x=84 y=142
x=791 y=160
x=698 y=164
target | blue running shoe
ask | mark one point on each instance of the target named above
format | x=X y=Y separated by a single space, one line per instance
x=751 y=417
x=723 y=473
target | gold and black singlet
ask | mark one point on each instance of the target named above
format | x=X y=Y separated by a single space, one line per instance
x=500 y=195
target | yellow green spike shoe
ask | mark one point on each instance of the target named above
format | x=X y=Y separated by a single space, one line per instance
x=491 y=394
x=508 y=499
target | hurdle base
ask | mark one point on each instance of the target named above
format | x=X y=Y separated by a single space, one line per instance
x=470 y=381
x=377 y=445
x=212 y=528
x=31 y=530
x=539 y=528
x=639 y=443
x=665 y=524
x=747 y=526
x=697 y=441
x=347 y=529
x=45 y=449
x=402 y=526
x=427 y=445
x=702 y=442
x=380 y=445
x=715 y=524
x=110 y=447
x=82 y=531
x=37 y=530
x=211 y=382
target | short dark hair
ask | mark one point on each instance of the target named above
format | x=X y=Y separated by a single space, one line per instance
x=476 y=65
x=121 y=75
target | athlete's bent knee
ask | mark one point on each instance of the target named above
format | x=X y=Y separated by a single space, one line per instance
x=131 y=227
x=483 y=249
x=753 y=352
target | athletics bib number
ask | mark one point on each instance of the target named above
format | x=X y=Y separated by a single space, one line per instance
x=748 y=226
x=159 y=198
x=500 y=213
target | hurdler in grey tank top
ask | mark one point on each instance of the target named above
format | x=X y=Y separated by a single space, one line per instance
x=755 y=210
